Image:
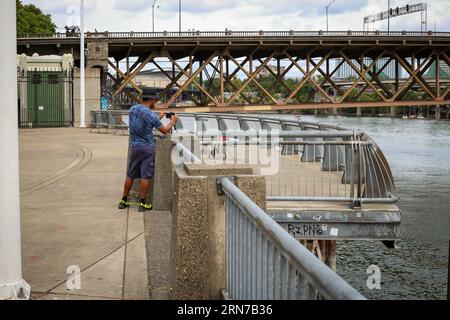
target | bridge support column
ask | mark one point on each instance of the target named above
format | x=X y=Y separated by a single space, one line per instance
x=392 y=111
x=334 y=111
x=198 y=251
x=92 y=94
x=358 y=112
x=438 y=113
x=12 y=286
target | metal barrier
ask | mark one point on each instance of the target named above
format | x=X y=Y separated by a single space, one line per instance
x=265 y=262
x=185 y=154
x=238 y=34
x=100 y=121
x=116 y=122
x=317 y=161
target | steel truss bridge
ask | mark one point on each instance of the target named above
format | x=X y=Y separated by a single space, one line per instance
x=210 y=62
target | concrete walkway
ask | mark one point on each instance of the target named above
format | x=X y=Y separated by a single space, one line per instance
x=71 y=182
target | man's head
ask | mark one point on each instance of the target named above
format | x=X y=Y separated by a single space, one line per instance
x=149 y=97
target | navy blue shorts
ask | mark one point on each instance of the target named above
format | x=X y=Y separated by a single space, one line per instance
x=142 y=162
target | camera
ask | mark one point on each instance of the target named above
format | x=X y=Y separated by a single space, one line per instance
x=169 y=115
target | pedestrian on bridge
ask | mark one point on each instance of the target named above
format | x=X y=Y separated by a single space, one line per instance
x=141 y=163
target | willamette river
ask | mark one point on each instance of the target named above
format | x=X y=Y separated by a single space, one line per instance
x=419 y=154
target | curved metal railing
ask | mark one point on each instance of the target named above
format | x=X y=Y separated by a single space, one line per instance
x=317 y=161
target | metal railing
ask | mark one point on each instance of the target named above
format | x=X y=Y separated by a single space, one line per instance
x=109 y=119
x=236 y=34
x=315 y=161
x=264 y=262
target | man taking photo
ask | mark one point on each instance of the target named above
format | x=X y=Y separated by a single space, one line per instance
x=142 y=156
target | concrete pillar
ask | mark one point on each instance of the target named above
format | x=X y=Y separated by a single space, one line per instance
x=198 y=254
x=160 y=193
x=82 y=71
x=12 y=286
x=392 y=111
x=160 y=187
x=92 y=94
x=358 y=112
x=334 y=111
x=438 y=112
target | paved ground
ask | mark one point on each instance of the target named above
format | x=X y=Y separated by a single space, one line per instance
x=71 y=181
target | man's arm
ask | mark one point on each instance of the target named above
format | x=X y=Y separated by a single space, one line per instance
x=168 y=128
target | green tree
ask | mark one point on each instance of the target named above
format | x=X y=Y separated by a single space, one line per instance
x=31 y=19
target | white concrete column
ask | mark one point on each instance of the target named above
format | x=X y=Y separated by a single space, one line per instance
x=11 y=284
x=82 y=73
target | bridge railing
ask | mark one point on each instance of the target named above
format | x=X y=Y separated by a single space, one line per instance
x=237 y=34
x=264 y=262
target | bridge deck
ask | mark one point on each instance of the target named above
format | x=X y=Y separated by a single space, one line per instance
x=239 y=43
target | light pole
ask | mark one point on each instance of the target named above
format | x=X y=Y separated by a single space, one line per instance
x=328 y=7
x=179 y=15
x=12 y=286
x=82 y=75
x=389 y=15
x=153 y=15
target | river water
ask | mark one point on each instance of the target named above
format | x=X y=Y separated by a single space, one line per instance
x=418 y=152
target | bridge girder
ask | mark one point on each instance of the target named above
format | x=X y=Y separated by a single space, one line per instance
x=223 y=60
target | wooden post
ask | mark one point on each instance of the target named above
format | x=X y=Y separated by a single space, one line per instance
x=328 y=250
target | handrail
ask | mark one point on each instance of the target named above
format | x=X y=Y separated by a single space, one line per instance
x=280 y=134
x=187 y=153
x=323 y=279
x=320 y=124
x=237 y=34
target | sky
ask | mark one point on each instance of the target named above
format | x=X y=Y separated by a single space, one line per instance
x=218 y=15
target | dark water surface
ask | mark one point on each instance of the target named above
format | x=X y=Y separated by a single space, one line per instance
x=418 y=152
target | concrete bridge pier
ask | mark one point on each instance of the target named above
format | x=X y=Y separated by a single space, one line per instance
x=92 y=98
x=438 y=113
x=392 y=111
x=358 y=112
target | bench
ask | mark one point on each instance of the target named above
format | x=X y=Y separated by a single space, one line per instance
x=116 y=122
x=100 y=121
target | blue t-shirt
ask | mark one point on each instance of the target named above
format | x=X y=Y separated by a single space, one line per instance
x=142 y=122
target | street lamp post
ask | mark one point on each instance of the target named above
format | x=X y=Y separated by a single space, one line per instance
x=153 y=15
x=328 y=7
x=389 y=15
x=179 y=16
x=12 y=285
